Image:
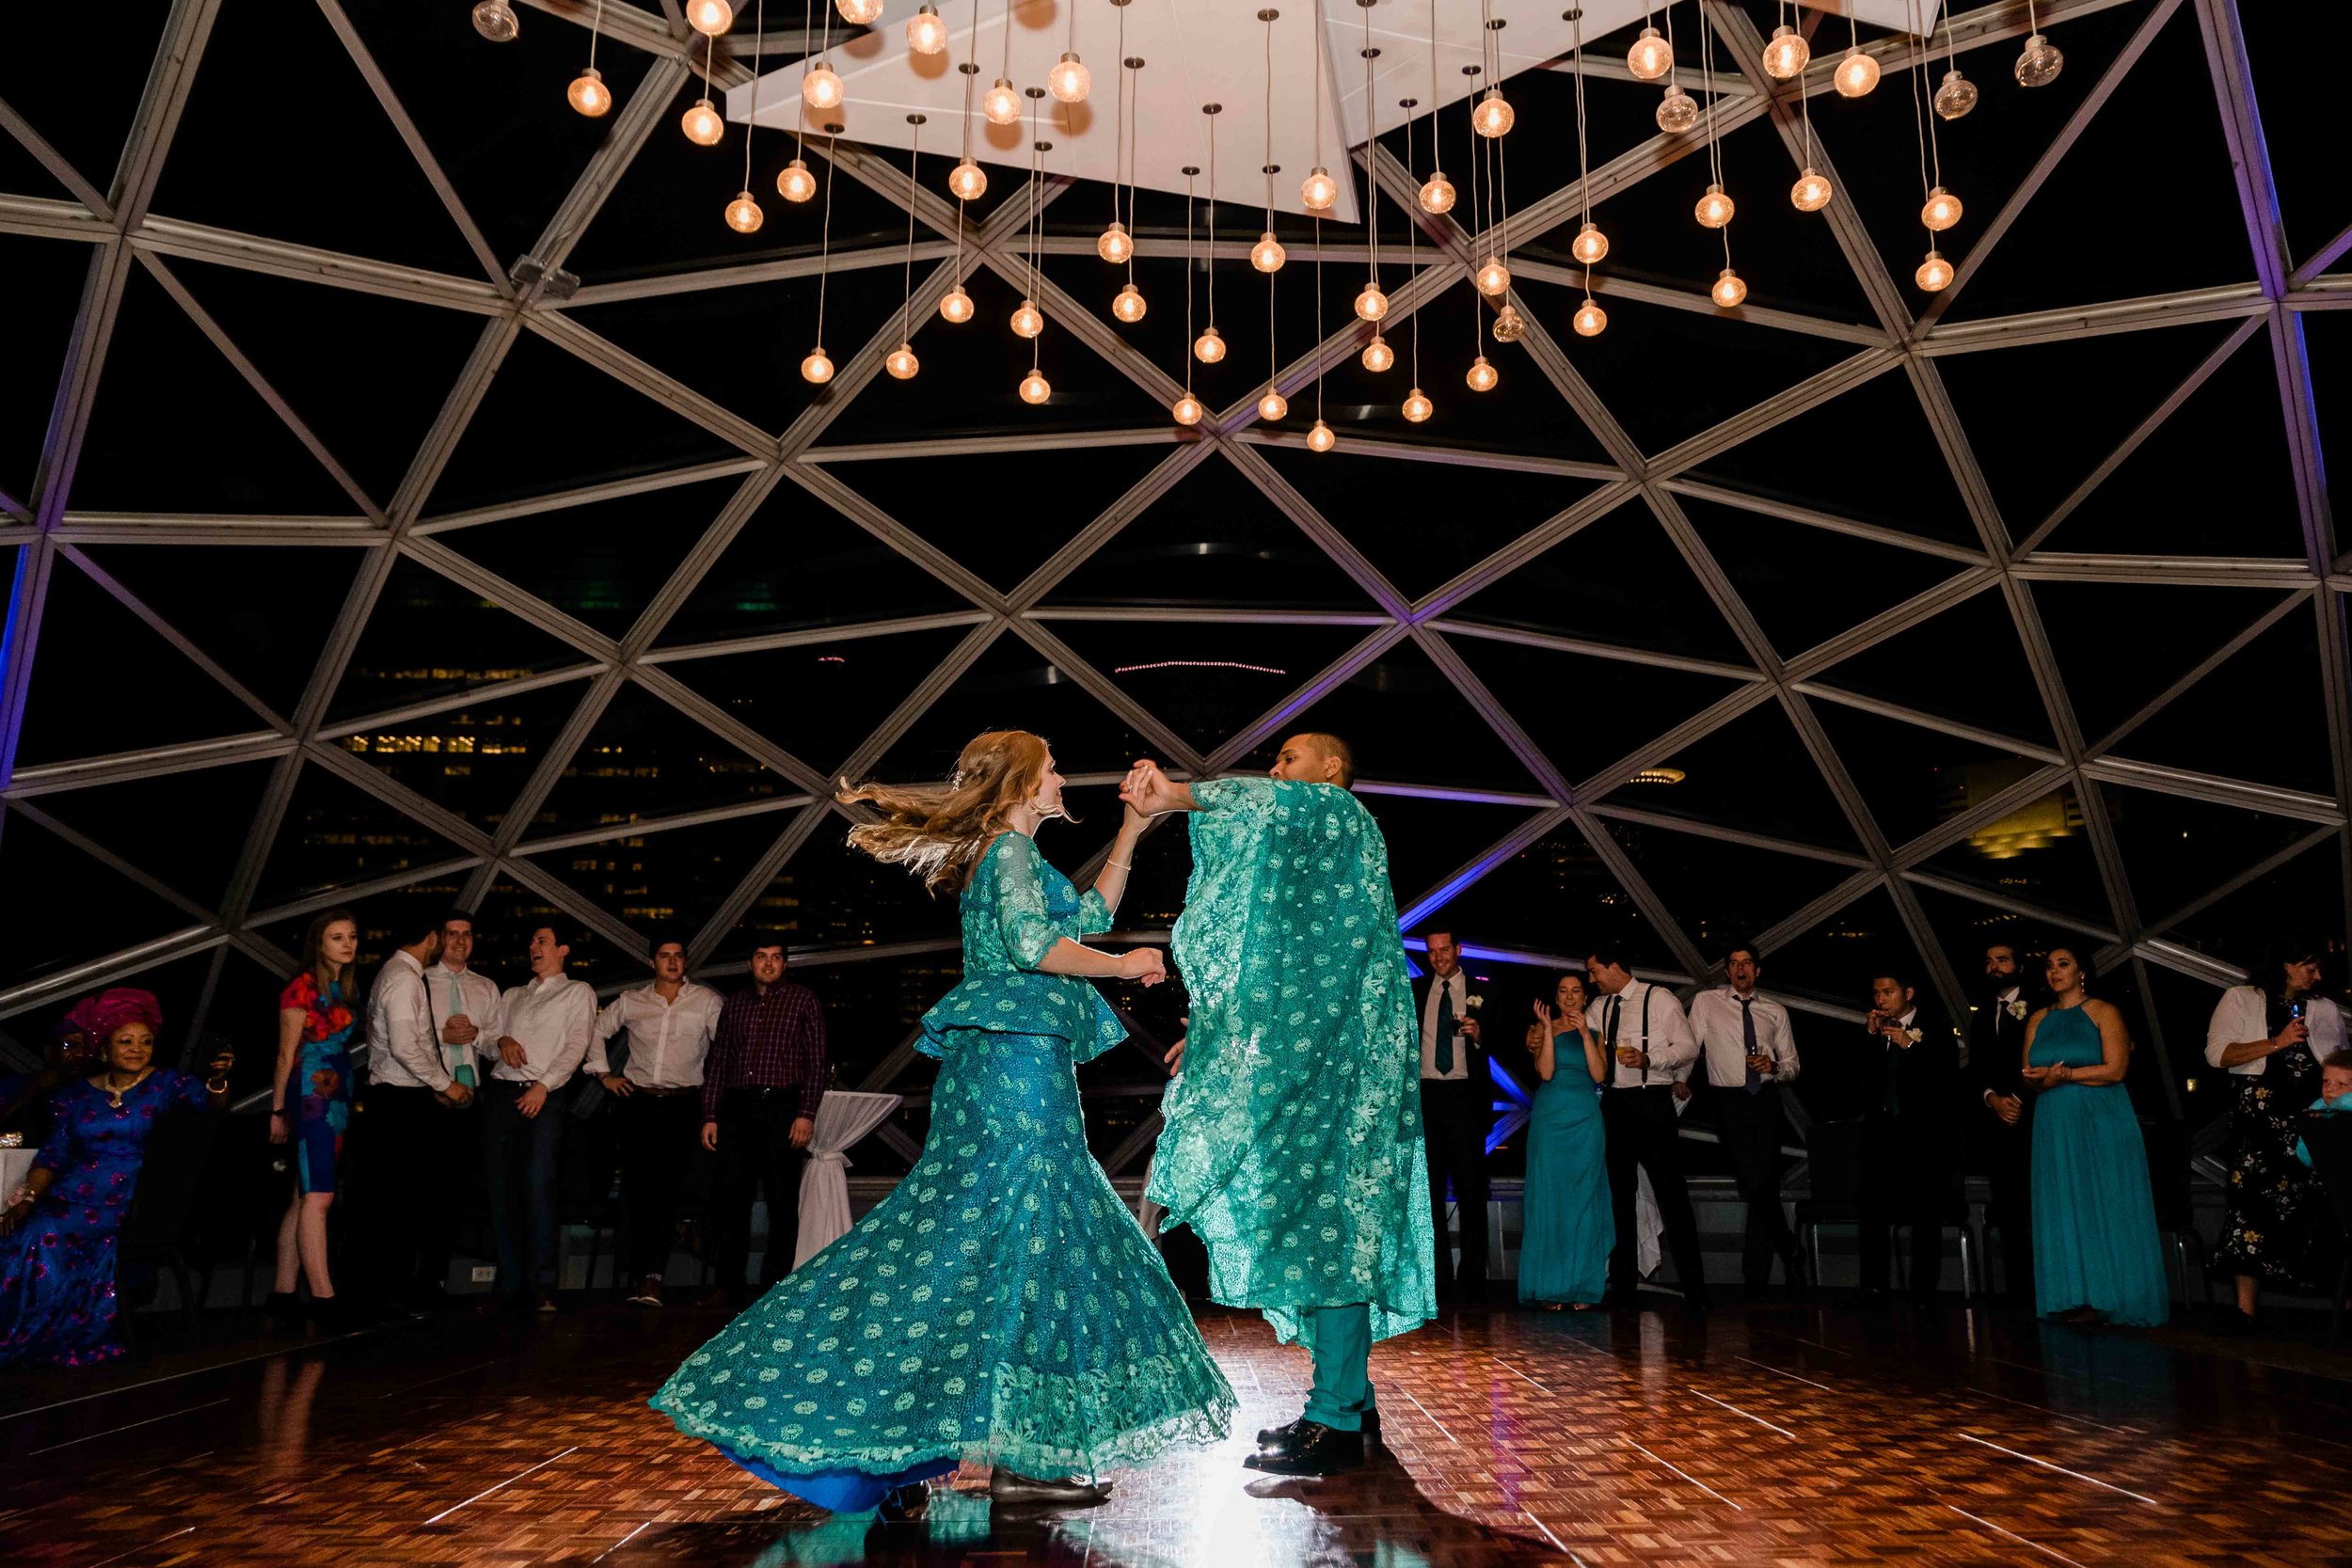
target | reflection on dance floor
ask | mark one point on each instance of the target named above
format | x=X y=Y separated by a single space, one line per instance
x=1787 y=1434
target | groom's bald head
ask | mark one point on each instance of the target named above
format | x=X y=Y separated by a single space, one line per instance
x=1315 y=757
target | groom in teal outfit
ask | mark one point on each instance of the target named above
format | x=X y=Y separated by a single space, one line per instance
x=1292 y=1141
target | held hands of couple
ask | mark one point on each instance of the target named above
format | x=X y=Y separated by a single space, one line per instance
x=1148 y=791
x=1143 y=963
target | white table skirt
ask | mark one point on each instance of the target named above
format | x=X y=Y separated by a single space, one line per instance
x=843 y=1116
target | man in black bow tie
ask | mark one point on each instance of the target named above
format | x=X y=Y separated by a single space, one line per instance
x=1912 y=1065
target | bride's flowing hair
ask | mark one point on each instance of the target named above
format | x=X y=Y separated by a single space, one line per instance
x=940 y=830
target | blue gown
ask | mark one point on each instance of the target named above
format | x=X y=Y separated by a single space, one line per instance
x=57 y=1273
x=2094 y=1219
x=1568 y=1227
x=1001 y=1304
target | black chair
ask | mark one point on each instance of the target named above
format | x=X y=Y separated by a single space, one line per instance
x=1954 y=1216
x=172 y=1174
x=1833 y=1192
x=2330 y=1139
x=2176 y=1219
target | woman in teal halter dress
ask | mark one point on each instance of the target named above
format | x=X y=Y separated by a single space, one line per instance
x=2095 y=1252
x=1002 y=1305
x=1568 y=1223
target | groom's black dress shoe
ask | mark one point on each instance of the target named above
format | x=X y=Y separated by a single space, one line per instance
x=1371 y=1432
x=1308 y=1448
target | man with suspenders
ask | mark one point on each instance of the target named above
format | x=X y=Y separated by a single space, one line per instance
x=1647 y=1038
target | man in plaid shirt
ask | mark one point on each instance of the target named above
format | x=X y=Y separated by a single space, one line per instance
x=765 y=1075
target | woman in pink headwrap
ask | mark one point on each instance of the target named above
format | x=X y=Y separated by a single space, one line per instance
x=58 y=1263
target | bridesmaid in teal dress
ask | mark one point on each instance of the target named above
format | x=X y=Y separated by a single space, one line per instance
x=1002 y=1305
x=1568 y=1226
x=2095 y=1254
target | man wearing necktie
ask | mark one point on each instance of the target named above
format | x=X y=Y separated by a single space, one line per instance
x=1750 y=1052
x=1456 y=1101
x=1650 y=1048
x=2000 y=1112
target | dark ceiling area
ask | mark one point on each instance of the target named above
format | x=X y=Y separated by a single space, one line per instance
x=1865 y=623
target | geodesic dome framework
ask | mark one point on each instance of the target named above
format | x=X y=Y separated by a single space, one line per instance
x=1864 y=623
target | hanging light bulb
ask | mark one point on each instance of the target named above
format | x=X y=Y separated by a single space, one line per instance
x=1115 y=247
x=1319 y=437
x=1273 y=405
x=1029 y=321
x=1956 y=97
x=710 y=17
x=1379 y=355
x=1494 y=115
x=956 y=306
x=1070 y=79
x=1268 y=255
x=902 y=364
x=1728 y=291
x=2039 y=63
x=1509 y=323
x=1590 y=245
x=589 y=94
x=1650 y=57
x=860 y=13
x=925 y=33
x=1210 y=347
x=966 y=181
x=1942 y=210
x=816 y=369
x=701 y=124
x=1811 y=193
x=1934 y=274
x=1128 y=307
x=1678 y=112
x=1714 y=208
x=1482 y=376
x=1318 y=190
x=1186 y=410
x=1589 y=319
x=1785 y=54
x=821 y=89
x=744 y=213
x=1035 y=388
x=1417 y=407
x=794 y=183
x=1492 y=276
x=1372 y=304
x=1437 y=193
x=1857 y=73
x=1000 y=103
x=495 y=20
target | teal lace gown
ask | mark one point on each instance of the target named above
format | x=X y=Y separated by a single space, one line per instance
x=1293 y=1144
x=2094 y=1216
x=1570 y=1226
x=1002 y=1304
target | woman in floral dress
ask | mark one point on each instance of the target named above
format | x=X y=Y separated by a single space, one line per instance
x=1001 y=1307
x=317 y=1016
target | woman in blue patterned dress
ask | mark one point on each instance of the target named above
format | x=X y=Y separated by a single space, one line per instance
x=58 y=1262
x=1001 y=1306
x=317 y=1015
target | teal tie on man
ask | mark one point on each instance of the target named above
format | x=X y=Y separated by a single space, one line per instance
x=1292 y=1141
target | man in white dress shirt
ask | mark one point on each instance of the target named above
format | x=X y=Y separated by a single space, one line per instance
x=1643 y=1032
x=462 y=1003
x=1750 y=1052
x=668 y=1026
x=1456 y=1094
x=411 y=1097
x=545 y=1027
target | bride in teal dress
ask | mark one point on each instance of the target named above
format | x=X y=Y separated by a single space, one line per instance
x=1568 y=1225
x=1002 y=1305
x=2096 y=1257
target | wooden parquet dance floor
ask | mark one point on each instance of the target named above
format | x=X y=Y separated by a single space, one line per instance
x=1777 y=1435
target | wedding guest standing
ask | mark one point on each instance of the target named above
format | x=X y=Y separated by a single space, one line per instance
x=1911 y=1066
x=465 y=1013
x=1455 y=1093
x=2096 y=1257
x=545 y=1026
x=409 y=1085
x=2000 y=1112
x=668 y=1027
x=2271 y=1036
x=57 y=1257
x=765 y=1075
x=311 y=1108
x=1568 y=1227
x=1751 y=1052
x=1649 y=1043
